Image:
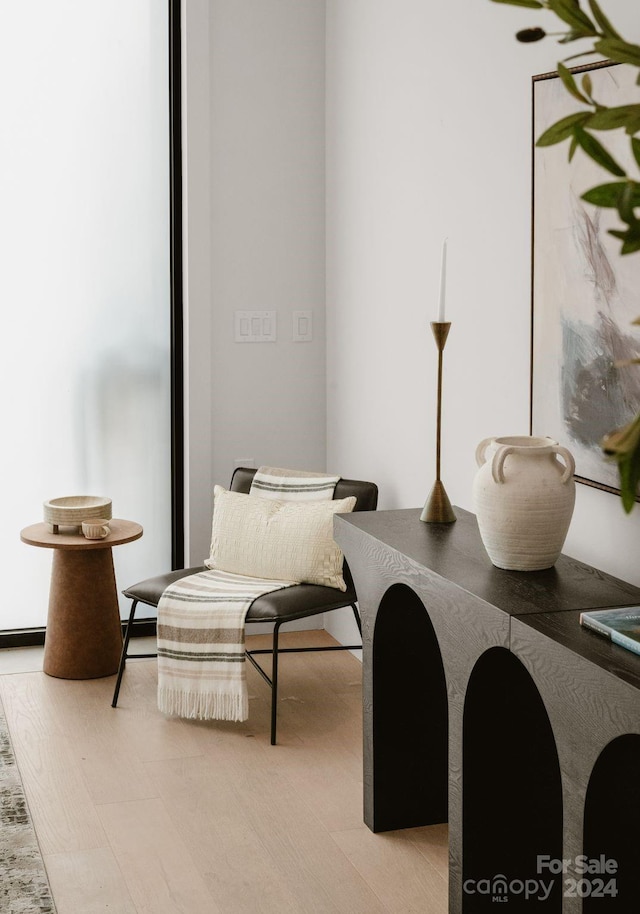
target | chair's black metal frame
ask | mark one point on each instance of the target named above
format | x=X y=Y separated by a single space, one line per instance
x=149 y=592
x=275 y=651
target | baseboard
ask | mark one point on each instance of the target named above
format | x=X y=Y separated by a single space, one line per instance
x=24 y=637
x=34 y=637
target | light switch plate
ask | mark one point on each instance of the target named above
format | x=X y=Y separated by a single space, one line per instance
x=255 y=327
x=302 y=326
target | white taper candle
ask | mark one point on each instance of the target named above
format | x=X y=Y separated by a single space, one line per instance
x=443 y=282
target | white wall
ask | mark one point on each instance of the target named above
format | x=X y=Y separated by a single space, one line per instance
x=429 y=135
x=255 y=239
x=267 y=236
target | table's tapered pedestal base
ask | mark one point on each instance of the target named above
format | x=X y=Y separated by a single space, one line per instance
x=84 y=635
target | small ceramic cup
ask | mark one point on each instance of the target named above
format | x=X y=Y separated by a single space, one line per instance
x=95 y=529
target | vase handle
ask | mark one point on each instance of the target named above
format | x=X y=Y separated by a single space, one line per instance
x=497 y=464
x=481 y=450
x=567 y=456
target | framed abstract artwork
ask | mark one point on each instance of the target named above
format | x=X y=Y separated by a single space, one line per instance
x=585 y=294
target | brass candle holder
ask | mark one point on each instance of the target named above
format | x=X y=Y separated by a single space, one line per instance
x=437 y=508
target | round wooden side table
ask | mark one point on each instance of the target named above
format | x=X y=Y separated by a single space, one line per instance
x=84 y=633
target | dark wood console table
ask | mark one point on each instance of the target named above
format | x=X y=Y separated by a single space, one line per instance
x=487 y=705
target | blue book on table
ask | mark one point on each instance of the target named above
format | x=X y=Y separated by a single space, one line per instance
x=622 y=626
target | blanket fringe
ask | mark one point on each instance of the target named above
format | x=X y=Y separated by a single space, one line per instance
x=204 y=705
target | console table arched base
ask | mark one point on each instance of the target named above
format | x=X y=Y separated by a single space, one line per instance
x=581 y=692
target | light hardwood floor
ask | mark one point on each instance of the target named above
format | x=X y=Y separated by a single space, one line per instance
x=138 y=814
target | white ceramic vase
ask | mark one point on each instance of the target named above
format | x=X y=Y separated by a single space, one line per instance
x=524 y=498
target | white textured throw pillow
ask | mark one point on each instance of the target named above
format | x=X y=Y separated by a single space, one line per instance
x=281 y=540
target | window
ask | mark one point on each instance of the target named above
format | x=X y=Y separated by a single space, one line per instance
x=86 y=393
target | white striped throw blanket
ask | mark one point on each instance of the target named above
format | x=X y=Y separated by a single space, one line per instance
x=201 y=659
x=201 y=621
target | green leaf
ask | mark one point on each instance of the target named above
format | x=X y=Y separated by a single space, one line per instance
x=587 y=86
x=597 y=152
x=568 y=38
x=610 y=195
x=630 y=237
x=581 y=54
x=635 y=148
x=570 y=84
x=629 y=472
x=602 y=21
x=572 y=148
x=618 y=50
x=628 y=485
x=571 y=13
x=562 y=129
x=614 y=118
x=626 y=205
x=532 y=4
x=631 y=244
x=623 y=446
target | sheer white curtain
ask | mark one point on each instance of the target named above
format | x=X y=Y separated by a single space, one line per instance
x=84 y=283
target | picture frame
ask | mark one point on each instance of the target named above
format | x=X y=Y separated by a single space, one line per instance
x=584 y=293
